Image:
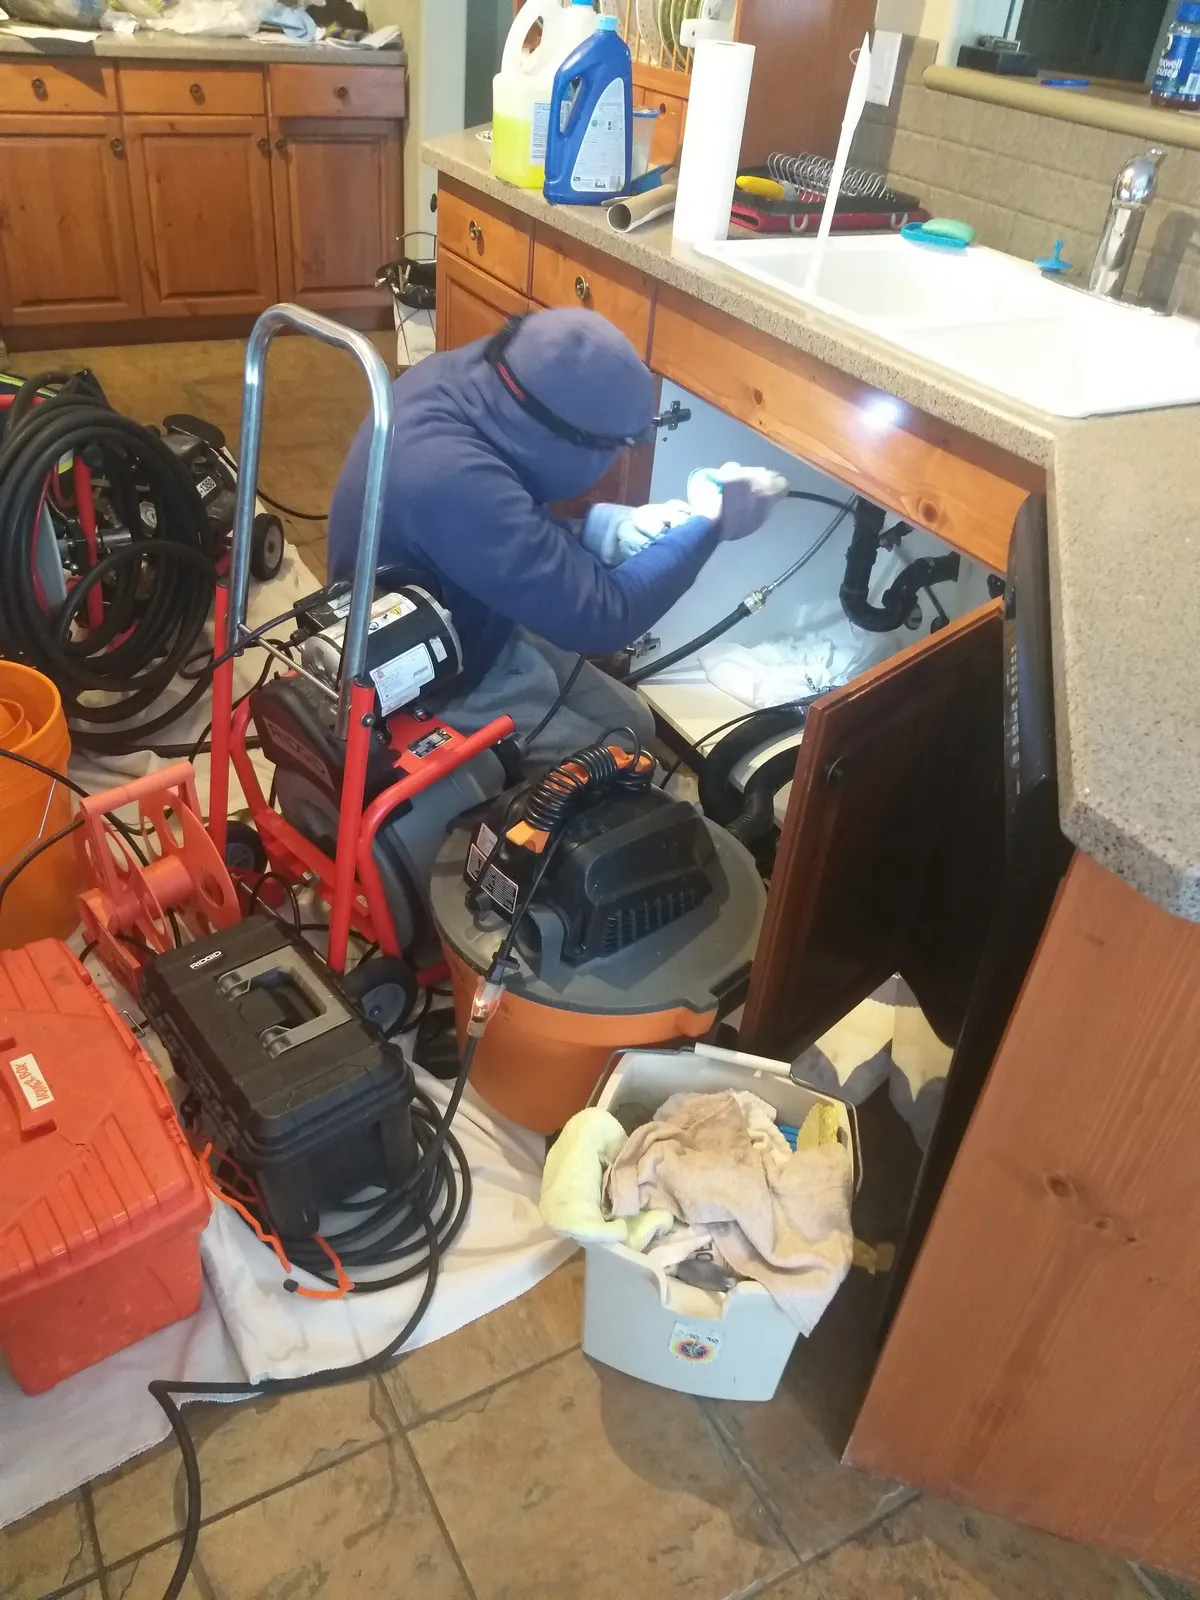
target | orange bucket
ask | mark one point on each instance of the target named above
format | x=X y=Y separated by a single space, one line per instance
x=41 y=903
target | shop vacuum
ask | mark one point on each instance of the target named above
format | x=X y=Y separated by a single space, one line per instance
x=631 y=920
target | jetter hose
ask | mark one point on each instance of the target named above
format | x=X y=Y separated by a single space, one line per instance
x=110 y=661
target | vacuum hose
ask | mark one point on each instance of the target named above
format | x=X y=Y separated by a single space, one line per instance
x=898 y=600
x=154 y=589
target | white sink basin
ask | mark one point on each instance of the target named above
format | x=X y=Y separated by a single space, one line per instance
x=988 y=317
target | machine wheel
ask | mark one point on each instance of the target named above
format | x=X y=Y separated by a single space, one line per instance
x=245 y=852
x=384 y=988
x=267 y=546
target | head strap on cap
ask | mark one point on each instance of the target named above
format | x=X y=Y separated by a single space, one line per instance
x=496 y=356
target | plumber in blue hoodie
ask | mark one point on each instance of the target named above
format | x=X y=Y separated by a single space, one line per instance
x=486 y=437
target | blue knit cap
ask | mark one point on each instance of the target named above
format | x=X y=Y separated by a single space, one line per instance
x=584 y=370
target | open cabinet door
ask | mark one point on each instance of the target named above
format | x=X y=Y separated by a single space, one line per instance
x=892 y=849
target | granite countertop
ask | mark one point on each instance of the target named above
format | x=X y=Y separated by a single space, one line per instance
x=156 y=46
x=1124 y=501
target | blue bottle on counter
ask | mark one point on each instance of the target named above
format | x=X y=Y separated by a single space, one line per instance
x=589 y=144
x=1177 y=81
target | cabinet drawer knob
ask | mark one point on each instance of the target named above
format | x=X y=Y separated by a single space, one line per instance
x=475 y=232
x=264 y=145
x=117 y=146
x=196 y=92
x=583 y=289
x=40 y=91
x=342 y=92
x=281 y=145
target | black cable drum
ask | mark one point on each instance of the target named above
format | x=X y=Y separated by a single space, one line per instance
x=157 y=588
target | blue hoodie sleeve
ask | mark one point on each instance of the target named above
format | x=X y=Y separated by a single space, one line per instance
x=489 y=537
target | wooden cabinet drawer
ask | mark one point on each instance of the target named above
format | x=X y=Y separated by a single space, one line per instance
x=485 y=234
x=337 y=92
x=37 y=86
x=668 y=130
x=192 y=90
x=569 y=274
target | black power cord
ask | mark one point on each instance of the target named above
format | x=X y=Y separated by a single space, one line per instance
x=290 y=511
x=127 y=833
x=408 y=1227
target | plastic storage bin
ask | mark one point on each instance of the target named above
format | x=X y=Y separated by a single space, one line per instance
x=638 y=1319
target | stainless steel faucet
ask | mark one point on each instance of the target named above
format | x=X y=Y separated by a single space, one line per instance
x=1135 y=187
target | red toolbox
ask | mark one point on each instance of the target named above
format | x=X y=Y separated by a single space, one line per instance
x=101 y=1205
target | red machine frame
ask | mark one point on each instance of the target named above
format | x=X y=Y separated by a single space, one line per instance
x=349 y=883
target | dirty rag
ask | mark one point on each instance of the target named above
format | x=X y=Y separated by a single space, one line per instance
x=718 y=1161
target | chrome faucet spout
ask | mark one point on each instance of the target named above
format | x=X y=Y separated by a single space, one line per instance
x=1135 y=186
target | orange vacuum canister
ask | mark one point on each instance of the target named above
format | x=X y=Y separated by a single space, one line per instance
x=101 y=1205
x=640 y=931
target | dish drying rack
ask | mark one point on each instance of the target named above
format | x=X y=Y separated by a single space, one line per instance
x=811 y=174
x=640 y=27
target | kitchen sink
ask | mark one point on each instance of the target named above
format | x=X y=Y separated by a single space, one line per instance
x=988 y=317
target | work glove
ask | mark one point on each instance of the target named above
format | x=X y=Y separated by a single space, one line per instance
x=614 y=533
x=738 y=499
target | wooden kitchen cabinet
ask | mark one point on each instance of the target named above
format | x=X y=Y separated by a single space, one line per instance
x=67 y=250
x=180 y=200
x=891 y=853
x=336 y=194
x=471 y=305
x=566 y=273
x=202 y=213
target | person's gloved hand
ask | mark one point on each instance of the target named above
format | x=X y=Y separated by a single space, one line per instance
x=614 y=533
x=739 y=499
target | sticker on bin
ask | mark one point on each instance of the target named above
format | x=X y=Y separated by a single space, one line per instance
x=696 y=1346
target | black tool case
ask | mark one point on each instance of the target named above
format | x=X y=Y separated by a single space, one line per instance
x=307 y=1097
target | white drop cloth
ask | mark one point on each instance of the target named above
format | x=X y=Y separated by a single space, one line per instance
x=248 y=1325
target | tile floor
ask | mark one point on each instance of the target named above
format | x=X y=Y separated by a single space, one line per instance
x=500 y=1463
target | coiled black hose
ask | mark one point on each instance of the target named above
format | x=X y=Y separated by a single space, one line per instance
x=556 y=796
x=157 y=588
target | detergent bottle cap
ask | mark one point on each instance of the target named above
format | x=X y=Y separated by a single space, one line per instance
x=606 y=25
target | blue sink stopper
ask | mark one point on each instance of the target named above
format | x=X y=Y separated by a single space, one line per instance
x=1054 y=263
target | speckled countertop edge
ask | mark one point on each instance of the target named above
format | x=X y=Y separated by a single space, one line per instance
x=1124 y=512
x=153 y=46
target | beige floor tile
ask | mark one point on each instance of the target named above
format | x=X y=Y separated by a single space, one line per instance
x=1017 y=1563
x=793 y=1444
x=363 y=1530
x=935 y=1551
x=90 y=1591
x=46 y=1552
x=574 y=1480
x=540 y=1324
x=244 y=1451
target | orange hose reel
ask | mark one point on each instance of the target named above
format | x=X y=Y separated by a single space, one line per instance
x=127 y=904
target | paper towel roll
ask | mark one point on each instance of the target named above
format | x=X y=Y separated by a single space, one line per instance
x=709 y=163
x=641 y=208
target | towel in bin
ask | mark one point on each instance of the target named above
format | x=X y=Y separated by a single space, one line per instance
x=640 y=1315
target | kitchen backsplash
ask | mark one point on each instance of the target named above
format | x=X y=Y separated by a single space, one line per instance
x=1023 y=180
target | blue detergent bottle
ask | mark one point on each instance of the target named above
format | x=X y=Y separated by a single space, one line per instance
x=589 y=145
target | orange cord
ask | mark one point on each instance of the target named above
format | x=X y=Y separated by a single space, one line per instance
x=271 y=1240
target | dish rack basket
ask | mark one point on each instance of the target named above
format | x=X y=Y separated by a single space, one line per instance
x=810 y=175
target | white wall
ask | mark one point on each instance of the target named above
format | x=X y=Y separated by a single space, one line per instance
x=435 y=38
